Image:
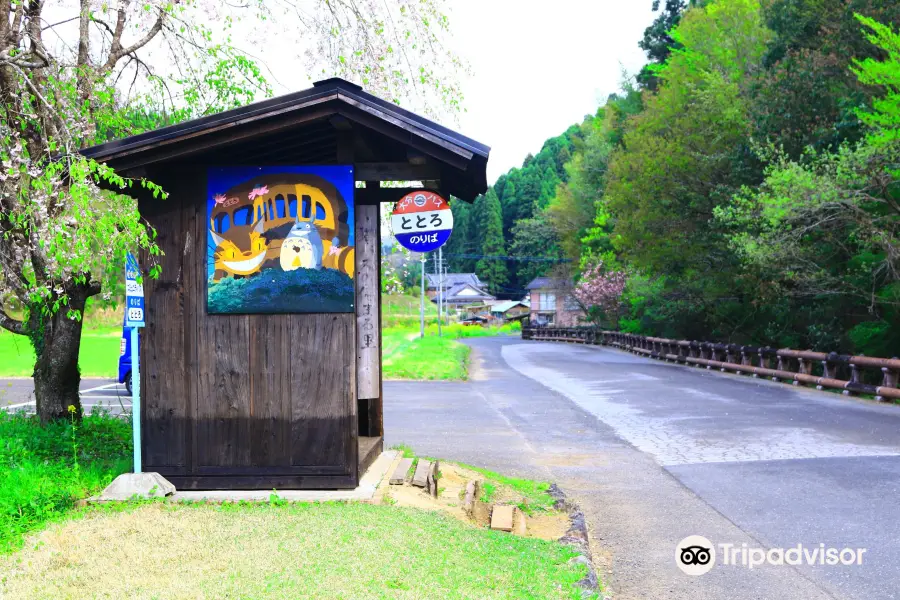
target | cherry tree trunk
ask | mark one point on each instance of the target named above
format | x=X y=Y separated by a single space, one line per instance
x=56 y=374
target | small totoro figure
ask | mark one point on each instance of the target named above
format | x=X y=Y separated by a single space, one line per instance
x=302 y=248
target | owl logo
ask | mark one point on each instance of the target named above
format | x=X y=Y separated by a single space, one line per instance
x=302 y=248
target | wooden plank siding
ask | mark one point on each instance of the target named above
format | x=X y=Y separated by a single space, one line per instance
x=238 y=401
x=162 y=348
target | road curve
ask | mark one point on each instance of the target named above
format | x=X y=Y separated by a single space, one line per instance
x=655 y=452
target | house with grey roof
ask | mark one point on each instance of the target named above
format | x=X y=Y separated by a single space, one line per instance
x=435 y=283
x=464 y=294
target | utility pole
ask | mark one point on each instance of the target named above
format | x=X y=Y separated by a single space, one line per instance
x=422 y=301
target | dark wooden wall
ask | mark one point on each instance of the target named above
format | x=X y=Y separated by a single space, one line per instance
x=238 y=401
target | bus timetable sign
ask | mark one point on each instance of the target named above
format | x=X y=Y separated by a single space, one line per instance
x=134 y=294
x=422 y=221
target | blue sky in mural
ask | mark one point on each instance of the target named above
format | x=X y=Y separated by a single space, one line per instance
x=222 y=179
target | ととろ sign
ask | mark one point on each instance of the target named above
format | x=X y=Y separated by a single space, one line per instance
x=422 y=221
x=134 y=293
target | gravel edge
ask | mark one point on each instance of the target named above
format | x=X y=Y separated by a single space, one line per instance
x=577 y=537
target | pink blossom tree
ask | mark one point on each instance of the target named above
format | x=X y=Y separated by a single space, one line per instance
x=599 y=292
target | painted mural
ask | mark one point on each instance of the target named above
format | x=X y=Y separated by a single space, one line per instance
x=280 y=240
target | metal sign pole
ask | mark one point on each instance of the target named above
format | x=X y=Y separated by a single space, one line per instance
x=422 y=301
x=134 y=319
x=136 y=397
x=440 y=271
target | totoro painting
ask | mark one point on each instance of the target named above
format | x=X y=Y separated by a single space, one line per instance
x=280 y=240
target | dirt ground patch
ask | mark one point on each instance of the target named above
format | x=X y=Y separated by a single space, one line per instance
x=541 y=523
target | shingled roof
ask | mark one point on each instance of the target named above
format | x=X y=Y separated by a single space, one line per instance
x=548 y=283
x=452 y=279
x=303 y=128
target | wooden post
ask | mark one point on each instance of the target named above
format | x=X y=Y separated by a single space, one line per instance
x=368 y=317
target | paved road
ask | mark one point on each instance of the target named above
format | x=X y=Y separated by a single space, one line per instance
x=18 y=395
x=655 y=452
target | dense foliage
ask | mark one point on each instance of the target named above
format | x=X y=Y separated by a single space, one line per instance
x=748 y=182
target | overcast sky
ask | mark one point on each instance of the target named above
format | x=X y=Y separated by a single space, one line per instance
x=537 y=67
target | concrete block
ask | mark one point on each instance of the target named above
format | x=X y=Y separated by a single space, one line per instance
x=142 y=485
x=502 y=517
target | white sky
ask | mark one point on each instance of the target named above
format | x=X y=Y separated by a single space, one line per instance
x=537 y=66
x=541 y=66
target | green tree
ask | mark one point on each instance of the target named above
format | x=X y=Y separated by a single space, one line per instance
x=825 y=229
x=489 y=221
x=807 y=95
x=657 y=42
x=461 y=241
x=676 y=165
x=883 y=119
x=534 y=238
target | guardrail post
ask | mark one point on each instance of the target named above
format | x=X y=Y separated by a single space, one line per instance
x=804 y=367
x=854 y=379
x=719 y=354
x=891 y=379
x=783 y=364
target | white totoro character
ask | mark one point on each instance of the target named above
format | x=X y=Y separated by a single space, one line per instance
x=302 y=248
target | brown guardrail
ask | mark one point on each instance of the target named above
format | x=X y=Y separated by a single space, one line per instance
x=850 y=374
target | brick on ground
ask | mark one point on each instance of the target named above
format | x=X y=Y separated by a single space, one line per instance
x=502 y=517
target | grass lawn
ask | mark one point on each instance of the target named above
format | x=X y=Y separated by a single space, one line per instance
x=330 y=550
x=161 y=549
x=99 y=355
x=406 y=356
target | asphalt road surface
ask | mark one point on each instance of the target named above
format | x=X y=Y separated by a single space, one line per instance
x=656 y=452
x=106 y=394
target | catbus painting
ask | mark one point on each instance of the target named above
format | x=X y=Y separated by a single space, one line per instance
x=280 y=240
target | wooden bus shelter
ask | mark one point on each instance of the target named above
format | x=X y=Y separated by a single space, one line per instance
x=285 y=401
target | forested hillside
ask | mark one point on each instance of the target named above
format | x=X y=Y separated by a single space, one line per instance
x=747 y=181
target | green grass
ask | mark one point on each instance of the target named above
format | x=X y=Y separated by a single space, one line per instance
x=405 y=449
x=40 y=478
x=407 y=356
x=429 y=358
x=456 y=331
x=99 y=356
x=277 y=550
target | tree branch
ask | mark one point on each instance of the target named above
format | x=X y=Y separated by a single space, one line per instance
x=10 y=324
x=117 y=51
x=84 y=21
